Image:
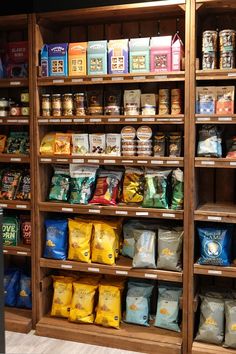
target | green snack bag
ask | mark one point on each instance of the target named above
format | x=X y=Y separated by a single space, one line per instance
x=60 y=184
x=10 y=231
x=17 y=143
x=177 y=181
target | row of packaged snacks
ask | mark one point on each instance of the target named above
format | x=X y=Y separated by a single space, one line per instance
x=215 y=99
x=109 y=102
x=148 y=244
x=119 y=56
x=17 y=289
x=15 y=143
x=151 y=188
x=16 y=230
x=15 y=184
x=129 y=142
x=98 y=300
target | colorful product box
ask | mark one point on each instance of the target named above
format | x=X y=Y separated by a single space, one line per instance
x=17 y=59
x=205 y=100
x=118 y=56
x=139 y=55
x=77 y=59
x=177 y=53
x=58 y=59
x=44 y=61
x=225 y=100
x=97 y=57
x=161 y=53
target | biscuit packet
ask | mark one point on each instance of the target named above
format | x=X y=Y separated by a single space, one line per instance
x=80 y=234
x=133 y=185
x=62 y=296
x=62 y=144
x=47 y=146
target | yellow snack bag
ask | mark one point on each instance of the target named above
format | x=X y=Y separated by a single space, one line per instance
x=80 y=233
x=47 y=146
x=104 y=244
x=109 y=306
x=62 y=144
x=82 y=307
x=62 y=296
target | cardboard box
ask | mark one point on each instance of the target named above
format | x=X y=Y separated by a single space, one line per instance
x=58 y=59
x=44 y=61
x=161 y=53
x=17 y=59
x=97 y=57
x=139 y=55
x=118 y=56
x=225 y=100
x=77 y=59
x=177 y=53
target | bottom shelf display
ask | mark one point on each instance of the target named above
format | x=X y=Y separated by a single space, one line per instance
x=18 y=320
x=204 y=348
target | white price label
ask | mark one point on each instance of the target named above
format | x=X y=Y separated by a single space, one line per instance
x=52 y=120
x=109 y=161
x=58 y=81
x=139 y=78
x=95 y=79
x=12 y=120
x=157 y=162
x=131 y=119
x=127 y=161
x=22 y=253
x=15 y=83
x=79 y=120
x=142 y=213
x=231 y=74
x=203 y=119
x=1 y=121
x=113 y=119
x=5 y=251
x=214 y=272
x=62 y=160
x=117 y=78
x=66 y=120
x=77 y=80
x=172 y=162
x=232 y=163
x=93 y=161
x=21 y=206
x=142 y=161
x=214 y=218
x=15 y=159
x=66 y=266
x=42 y=120
x=70 y=210
x=225 y=119
x=91 y=269
x=148 y=119
x=94 y=211
x=23 y=121
x=207 y=162
x=121 y=272
x=44 y=159
x=121 y=212
x=150 y=276
x=78 y=161
x=160 y=77
x=168 y=215
x=3 y=205
x=95 y=120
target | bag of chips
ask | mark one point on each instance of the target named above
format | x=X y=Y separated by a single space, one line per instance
x=145 y=249
x=17 y=143
x=24 y=298
x=80 y=144
x=82 y=183
x=133 y=185
x=107 y=187
x=10 y=231
x=56 y=239
x=209 y=144
x=47 y=146
x=104 y=243
x=215 y=245
x=230 y=324
x=138 y=302
x=10 y=181
x=80 y=234
x=62 y=144
x=211 y=327
x=3 y=139
x=170 y=249
x=129 y=242
x=62 y=296
x=168 y=307
x=177 y=181
x=11 y=285
x=60 y=184
x=156 y=189
x=24 y=187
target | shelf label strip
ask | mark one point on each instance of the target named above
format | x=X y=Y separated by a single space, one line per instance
x=150 y=276
x=168 y=215
x=22 y=253
x=113 y=119
x=3 y=205
x=94 y=211
x=148 y=119
x=15 y=159
x=78 y=161
x=214 y=272
x=109 y=161
x=77 y=80
x=79 y=120
x=214 y=218
x=127 y=161
x=15 y=83
x=66 y=266
x=224 y=119
x=121 y=272
x=157 y=162
x=93 y=161
x=160 y=77
x=91 y=269
x=142 y=213
x=117 y=78
x=207 y=162
x=58 y=81
x=21 y=206
x=70 y=210
x=121 y=212
x=139 y=78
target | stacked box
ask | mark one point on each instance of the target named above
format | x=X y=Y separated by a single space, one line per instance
x=58 y=59
x=118 y=56
x=97 y=57
x=139 y=55
x=44 y=61
x=77 y=59
x=161 y=53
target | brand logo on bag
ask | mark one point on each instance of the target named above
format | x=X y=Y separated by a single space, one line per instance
x=213 y=248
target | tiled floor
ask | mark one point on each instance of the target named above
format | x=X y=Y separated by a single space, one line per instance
x=18 y=343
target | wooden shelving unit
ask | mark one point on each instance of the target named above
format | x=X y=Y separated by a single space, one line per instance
x=18 y=320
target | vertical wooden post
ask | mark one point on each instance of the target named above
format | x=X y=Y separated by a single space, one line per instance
x=2 y=326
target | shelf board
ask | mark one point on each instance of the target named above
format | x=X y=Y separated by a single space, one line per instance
x=216 y=74
x=14 y=82
x=114 y=160
x=16 y=158
x=123 y=267
x=13 y=22
x=111 y=79
x=129 y=337
x=205 y=348
x=119 y=210
x=217 y=212
x=113 y=119
x=15 y=204
x=216 y=5
x=215 y=270
x=211 y=162
x=19 y=120
x=215 y=119
x=20 y=250
x=18 y=320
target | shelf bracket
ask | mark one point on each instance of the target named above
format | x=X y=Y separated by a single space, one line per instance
x=198 y=6
x=182 y=6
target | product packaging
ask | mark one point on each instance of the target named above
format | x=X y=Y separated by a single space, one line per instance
x=44 y=61
x=58 y=59
x=77 y=59
x=97 y=57
x=118 y=56
x=161 y=53
x=139 y=55
x=177 y=53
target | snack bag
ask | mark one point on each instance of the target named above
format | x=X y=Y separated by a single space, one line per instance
x=10 y=182
x=80 y=234
x=82 y=183
x=109 y=306
x=107 y=187
x=17 y=143
x=170 y=248
x=62 y=296
x=56 y=239
x=177 y=181
x=47 y=146
x=133 y=185
x=60 y=184
x=104 y=243
x=24 y=298
x=11 y=284
x=3 y=139
x=10 y=231
x=230 y=324
x=62 y=144
x=145 y=249
x=24 y=187
x=80 y=144
x=128 y=248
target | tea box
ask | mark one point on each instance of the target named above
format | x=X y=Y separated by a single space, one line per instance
x=161 y=53
x=177 y=53
x=139 y=55
x=17 y=59
x=58 y=59
x=44 y=61
x=77 y=59
x=118 y=56
x=97 y=57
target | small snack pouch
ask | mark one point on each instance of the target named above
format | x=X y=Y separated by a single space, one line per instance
x=56 y=239
x=62 y=296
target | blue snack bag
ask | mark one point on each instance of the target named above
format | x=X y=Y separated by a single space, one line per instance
x=24 y=298
x=56 y=239
x=11 y=285
x=215 y=244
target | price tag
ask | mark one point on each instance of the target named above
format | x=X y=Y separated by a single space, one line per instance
x=12 y=120
x=22 y=253
x=23 y=121
x=70 y=210
x=131 y=119
x=44 y=159
x=117 y=78
x=66 y=266
x=93 y=161
x=94 y=79
x=78 y=161
x=95 y=120
x=121 y=212
x=207 y=162
x=91 y=269
x=1 y=121
x=94 y=211
x=79 y=120
x=157 y=162
x=160 y=77
x=148 y=119
x=142 y=162
x=121 y=272
x=214 y=272
x=21 y=206
x=214 y=218
x=142 y=213
x=52 y=120
x=3 y=205
x=15 y=159
x=150 y=276
x=231 y=74
x=225 y=119
x=58 y=81
x=15 y=83
x=5 y=251
x=113 y=119
x=232 y=163
x=77 y=80
x=139 y=78
x=172 y=162
x=42 y=120
x=203 y=119
x=168 y=215
x=62 y=160
x=127 y=161
x=66 y=120
x=109 y=161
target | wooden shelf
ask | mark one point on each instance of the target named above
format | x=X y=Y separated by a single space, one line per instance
x=205 y=348
x=16 y=158
x=18 y=320
x=211 y=162
x=215 y=119
x=113 y=119
x=112 y=79
x=15 y=204
x=215 y=270
x=20 y=250
x=129 y=337
x=114 y=160
x=14 y=82
x=119 y=210
x=216 y=74
x=14 y=120
x=11 y=22
x=122 y=267
x=217 y=212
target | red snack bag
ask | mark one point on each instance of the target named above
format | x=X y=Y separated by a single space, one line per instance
x=25 y=228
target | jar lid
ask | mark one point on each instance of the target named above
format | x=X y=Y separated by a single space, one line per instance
x=79 y=94
x=128 y=133
x=56 y=95
x=144 y=133
x=67 y=94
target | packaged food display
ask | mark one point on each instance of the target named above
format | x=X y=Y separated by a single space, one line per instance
x=144 y=135
x=132 y=102
x=25 y=227
x=17 y=288
x=17 y=143
x=112 y=102
x=225 y=100
x=177 y=183
x=118 y=56
x=77 y=59
x=58 y=59
x=10 y=231
x=97 y=57
x=174 y=144
x=47 y=146
x=97 y=143
x=209 y=50
x=44 y=60
x=24 y=188
x=206 y=100
x=46 y=105
x=159 y=147
x=3 y=140
x=80 y=144
x=10 y=181
x=209 y=143
x=148 y=103
x=176 y=101
x=62 y=144
x=56 y=239
x=60 y=183
x=67 y=104
x=164 y=101
x=24 y=298
x=161 y=53
x=56 y=105
x=113 y=144
x=139 y=55
x=145 y=250
x=62 y=296
x=177 y=53
x=230 y=313
x=80 y=234
x=104 y=243
x=82 y=183
x=95 y=102
x=79 y=103
x=133 y=185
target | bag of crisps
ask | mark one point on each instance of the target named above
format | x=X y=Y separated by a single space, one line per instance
x=47 y=146
x=133 y=186
x=62 y=144
x=80 y=234
x=62 y=296
x=104 y=244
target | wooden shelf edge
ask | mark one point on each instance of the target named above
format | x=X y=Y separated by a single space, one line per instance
x=211 y=162
x=216 y=212
x=215 y=118
x=216 y=74
x=205 y=348
x=15 y=204
x=229 y=272
x=18 y=320
x=14 y=158
x=14 y=82
x=20 y=250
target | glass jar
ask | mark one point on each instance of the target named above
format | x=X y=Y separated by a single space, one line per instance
x=4 y=103
x=79 y=100
x=67 y=104
x=25 y=111
x=15 y=110
x=56 y=105
x=46 y=105
x=24 y=97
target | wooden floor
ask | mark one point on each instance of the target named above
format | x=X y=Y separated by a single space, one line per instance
x=18 y=343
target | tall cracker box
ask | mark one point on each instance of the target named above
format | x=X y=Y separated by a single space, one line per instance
x=78 y=59
x=97 y=57
x=177 y=53
x=139 y=55
x=161 y=53
x=118 y=56
x=58 y=59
